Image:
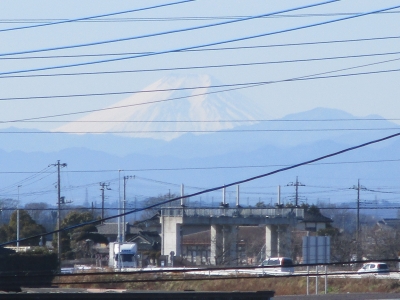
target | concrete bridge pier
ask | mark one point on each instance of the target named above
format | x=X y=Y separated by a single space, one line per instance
x=171 y=235
x=224 y=244
x=277 y=240
x=271 y=240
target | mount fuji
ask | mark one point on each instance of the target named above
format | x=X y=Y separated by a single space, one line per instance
x=172 y=116
x=171 y=107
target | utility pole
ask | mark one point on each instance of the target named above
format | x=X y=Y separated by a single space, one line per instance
x=296 y=184
x=58 y=165
x=124 y=207
x=104 y=186
x=358 y=187
x=119 y=211
x=18 y=221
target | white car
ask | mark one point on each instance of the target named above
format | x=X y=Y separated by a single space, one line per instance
x=374 y=267
x=278 y=265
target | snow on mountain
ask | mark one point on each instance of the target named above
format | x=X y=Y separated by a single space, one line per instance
x=189 y=100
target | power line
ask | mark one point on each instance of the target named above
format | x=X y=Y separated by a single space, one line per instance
x=205 y=66
x=164 y=32
x=200 y=46
x=201 y=131
x=208 y=49
x=192 y=50
x=201 y=168
x=71 y=208
x=207 y=93
x=193 y=18
x=28 y=180
x=63 y=21
x=240 y=85
x=223 y=121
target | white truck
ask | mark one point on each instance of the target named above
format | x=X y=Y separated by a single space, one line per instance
x=122 y=255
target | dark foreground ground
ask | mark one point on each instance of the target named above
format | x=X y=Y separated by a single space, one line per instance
x=87 y=294
x=78 y=294
x=367 y=296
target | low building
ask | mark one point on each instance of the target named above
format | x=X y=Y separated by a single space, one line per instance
x=313 y=221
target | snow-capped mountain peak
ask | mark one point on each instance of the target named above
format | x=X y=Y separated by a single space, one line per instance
x=171 y=107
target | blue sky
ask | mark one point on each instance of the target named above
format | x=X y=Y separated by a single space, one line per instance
x=359 y=95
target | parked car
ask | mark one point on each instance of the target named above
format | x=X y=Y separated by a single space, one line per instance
x=278 y=265
x=374 y=267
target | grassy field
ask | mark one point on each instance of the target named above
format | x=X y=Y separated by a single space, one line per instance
x=281 y=285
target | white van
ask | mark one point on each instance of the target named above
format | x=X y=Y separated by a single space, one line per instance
x=278 y=265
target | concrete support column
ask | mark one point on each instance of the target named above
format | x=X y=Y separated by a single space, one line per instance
x=171 y=235
x=223 y=245
x=280 y=234
x=271 y=240
x=284 y=240
x=178 y=242
x=216 y=244
x=233 y=255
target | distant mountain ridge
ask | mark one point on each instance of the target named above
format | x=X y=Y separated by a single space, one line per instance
x=88 y=167
x=320 y=124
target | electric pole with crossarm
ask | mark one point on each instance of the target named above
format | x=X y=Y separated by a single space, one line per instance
x=103 y=186
x=359 y=188
x=58 y=165
x=296 y=184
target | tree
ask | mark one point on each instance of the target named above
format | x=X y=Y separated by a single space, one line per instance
x=7 y=206
x=27 y=228
x=254 y=239
x=74 y=242
x=260 y=204
x=381 y=242
x=343 y=245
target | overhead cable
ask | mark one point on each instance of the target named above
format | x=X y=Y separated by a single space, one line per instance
x=94 y=17
x=201 y=131
x=163 y=32
x=204 y=168
x=200 y=94
x=207 y=66
x=241 y=86
x=305 y=77
x=209 y=49
x=201 y=46
x=223 y=121
x=192 y=18
x=27 y=181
